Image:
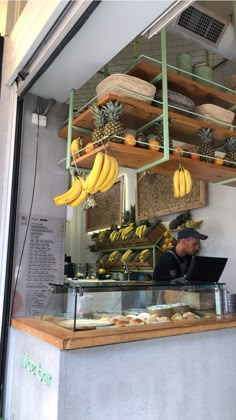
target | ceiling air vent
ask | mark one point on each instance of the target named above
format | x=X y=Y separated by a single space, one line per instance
x=201 y=24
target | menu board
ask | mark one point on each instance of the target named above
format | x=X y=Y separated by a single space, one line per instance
x=41 y=262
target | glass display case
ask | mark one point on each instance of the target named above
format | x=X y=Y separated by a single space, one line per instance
x=111 y=304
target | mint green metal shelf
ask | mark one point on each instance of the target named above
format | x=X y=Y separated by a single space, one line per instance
x=164 y=116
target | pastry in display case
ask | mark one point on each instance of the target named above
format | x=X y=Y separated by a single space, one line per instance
x=120 y=304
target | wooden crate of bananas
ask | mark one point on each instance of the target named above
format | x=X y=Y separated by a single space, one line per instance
x=145 y=233
x=136 y=259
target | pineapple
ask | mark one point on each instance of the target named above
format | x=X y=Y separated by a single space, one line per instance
x=230 y=149
x=207 y=146
x=99 y=122
x=159 y=131
x=113 y=127
x=180 y=220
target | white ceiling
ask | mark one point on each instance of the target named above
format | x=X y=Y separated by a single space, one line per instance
x=112 y=26
x=97 y=43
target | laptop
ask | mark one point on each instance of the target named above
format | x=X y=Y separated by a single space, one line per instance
x=205 y=269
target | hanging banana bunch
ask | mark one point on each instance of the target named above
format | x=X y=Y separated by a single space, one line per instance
x=101 y=178
x=103 y=174
x=182 y=182
x=72 y=194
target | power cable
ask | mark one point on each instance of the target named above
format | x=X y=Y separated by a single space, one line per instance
x=29 y=216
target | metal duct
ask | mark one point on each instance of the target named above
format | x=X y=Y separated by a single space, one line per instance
x=201 y=26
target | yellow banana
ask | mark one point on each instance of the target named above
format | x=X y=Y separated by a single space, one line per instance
x=176 y=183
x=95 y=172
x=194 y=223
x=126 y=231
x=112 y=235
x=144 y=227
x=182 y=183
x=188 y=181
x=126 y=255
x=69 y=195
x=76 y=145
x=143 y=252
x=111 y=177
x=104 y=172
x=139 y=231
x=81 y=197
x=112 y=256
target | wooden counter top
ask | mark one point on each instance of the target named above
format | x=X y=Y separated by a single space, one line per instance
x=65 y=339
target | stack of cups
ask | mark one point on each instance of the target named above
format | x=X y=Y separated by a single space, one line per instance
x=231 y=299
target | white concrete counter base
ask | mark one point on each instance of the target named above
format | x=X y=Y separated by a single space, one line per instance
x=185 y=377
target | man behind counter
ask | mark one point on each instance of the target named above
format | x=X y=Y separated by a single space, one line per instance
x=175 y=263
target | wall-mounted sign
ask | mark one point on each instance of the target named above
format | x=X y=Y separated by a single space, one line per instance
x=42 y=262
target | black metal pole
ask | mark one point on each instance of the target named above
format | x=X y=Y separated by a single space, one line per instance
x=10 y=251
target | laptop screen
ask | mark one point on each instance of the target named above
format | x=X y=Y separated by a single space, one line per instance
x=206 y=269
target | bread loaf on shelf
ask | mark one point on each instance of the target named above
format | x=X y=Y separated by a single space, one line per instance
x=112 y=83
x=217 y=113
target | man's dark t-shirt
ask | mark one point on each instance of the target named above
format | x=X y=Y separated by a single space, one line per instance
x=170 y=266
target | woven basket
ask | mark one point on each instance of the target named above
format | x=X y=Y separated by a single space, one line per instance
x=175 y=99
x=216 y=112
x=131 y=83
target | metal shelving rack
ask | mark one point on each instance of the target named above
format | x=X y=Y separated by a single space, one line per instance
x=165 y=156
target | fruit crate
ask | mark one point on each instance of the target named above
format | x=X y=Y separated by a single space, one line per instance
x=140 y=266
x=151 y=239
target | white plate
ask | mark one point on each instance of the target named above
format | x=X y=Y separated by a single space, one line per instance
x=84 y=323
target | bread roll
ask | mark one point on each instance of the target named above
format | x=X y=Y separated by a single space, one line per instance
x=177 y=317
x=129 y=317
x=144 y=316
x=164 y=319
x=116 y=318
x=189 y=315
x=152 y=320
x=122 y=323
x=136 y=321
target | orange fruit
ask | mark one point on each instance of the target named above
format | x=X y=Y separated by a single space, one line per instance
x=219 y=160
x=195 y=156
x=166 y=234
x=178 y=151
x=154 y=144
x=130 y=139
x=89 y=147
x=164 y=247
x=167 y=241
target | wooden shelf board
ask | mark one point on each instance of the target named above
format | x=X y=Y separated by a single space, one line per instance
x=65 y=339
x=135 y=157
x=137 y=114
x=196 y=91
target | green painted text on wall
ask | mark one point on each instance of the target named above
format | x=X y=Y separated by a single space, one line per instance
x=36 y=369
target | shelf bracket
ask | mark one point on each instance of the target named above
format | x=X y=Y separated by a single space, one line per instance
x=83 y=130
x=149 y=124
x=69 y=133
x=156 y=79
x=226 y=181
x=166 y=155
x=232 y=108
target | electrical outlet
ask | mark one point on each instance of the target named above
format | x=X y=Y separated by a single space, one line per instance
x=40 y=120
